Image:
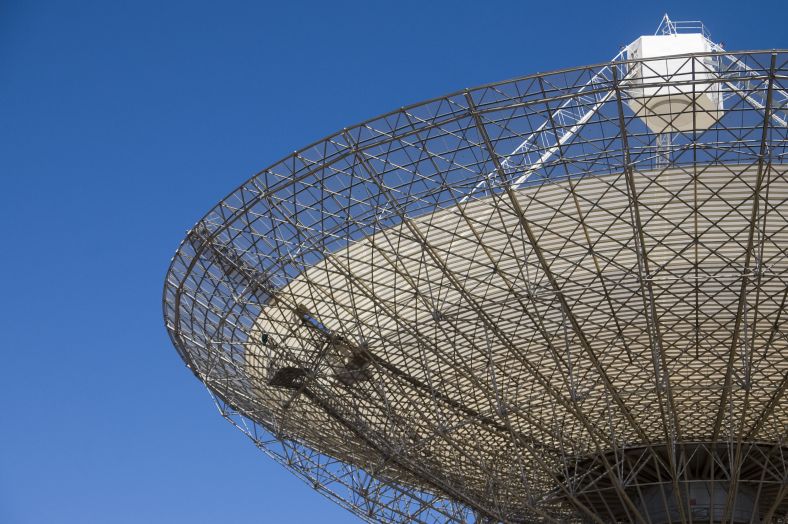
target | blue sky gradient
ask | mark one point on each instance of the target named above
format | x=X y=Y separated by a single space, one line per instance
x=121 y=124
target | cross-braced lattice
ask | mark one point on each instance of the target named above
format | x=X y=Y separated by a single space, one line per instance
x=515 y=303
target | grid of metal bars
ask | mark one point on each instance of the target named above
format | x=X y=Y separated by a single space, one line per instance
x=475 y=308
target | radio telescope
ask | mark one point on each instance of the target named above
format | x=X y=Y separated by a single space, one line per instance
x=558 y=298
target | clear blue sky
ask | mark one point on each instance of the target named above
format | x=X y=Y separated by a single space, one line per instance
x=121 y=123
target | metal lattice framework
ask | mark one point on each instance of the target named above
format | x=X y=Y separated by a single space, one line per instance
x=513 y=303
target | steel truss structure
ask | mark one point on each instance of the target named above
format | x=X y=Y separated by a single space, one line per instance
x=514 y=303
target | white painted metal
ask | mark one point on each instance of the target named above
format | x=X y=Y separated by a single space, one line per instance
x=330 y=287
x=673 y=94
x=529 y=301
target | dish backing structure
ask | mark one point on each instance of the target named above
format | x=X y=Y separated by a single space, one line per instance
x=558 y=298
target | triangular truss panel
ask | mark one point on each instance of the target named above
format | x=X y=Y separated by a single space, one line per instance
x=534 y=301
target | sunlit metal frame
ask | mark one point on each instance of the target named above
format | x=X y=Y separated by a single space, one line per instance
x=490 y=144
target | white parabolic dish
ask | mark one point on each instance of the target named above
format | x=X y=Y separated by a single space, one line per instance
x=558 y=298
